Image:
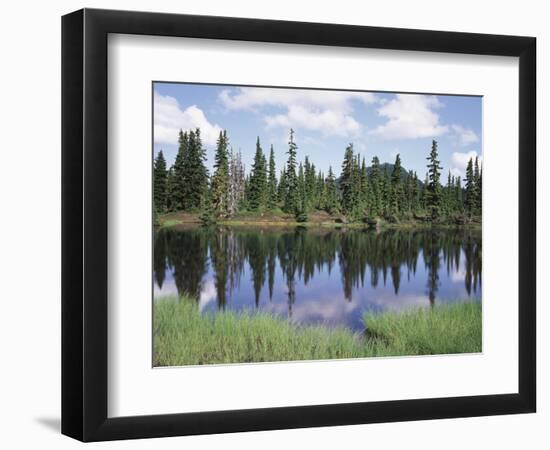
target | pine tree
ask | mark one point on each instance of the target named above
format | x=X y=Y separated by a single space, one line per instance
x=321 y=191
x=433 y=189
x=470 y=194
x=170 y=190
x=281 y=188
x=195 y=173
x=348 y=181
x=291 y=196
x=477 y=182
x=458 y=194
x=364 y=189
x=159 y=183
x=302 y=206
x=449 y=205
x=220 y=179
x=179 y=191
x=272 y=182
x=331 y=193
x=396 y=188
x=310 y=183
x=375 y=183
x=258 y=180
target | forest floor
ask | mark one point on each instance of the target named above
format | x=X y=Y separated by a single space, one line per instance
x=184 y=336
x=280 y=219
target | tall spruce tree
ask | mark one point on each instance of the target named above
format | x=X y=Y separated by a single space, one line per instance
x=375 y=183
x=170 y=189
x=470 y=194
x=291 y=178
x=433 y=189
x=396 y=191
x=159 y=183
x=331 y=193
x=220 y=179
x=272 y=182
x=180 y=186
x=477 y=182
x=258 y=180
x=349 y=182
x=195 y=173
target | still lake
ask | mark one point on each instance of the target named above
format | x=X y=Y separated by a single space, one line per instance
x=315 y=275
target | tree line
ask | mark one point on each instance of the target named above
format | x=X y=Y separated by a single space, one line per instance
x=360 y=193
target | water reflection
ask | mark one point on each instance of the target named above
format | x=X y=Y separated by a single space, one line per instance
x=317 y=276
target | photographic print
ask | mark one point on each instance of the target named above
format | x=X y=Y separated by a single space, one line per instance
x=307 y=224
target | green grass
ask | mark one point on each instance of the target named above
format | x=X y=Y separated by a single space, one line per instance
x=445 y=329
x=183 y=336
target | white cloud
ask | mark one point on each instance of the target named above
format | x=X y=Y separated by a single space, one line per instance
x=169 y=119
x=465 y=136
x=460 y=162
x=330 y=112
x=409 y=117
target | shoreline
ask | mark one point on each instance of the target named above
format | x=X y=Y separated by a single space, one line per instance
x=171 y=220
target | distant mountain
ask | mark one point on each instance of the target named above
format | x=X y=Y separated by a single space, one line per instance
x=388 y=168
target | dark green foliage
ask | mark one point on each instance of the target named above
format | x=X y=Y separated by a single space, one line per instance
x=361 y=194
x=331 y=203
x=208 y=214
x=433 y=188
x=257 y=190
x=159 y=183
x=350 y=183
x=291 y=179
x=396 y=190
x=220 y=179
x=472 y=196
x=272 y=182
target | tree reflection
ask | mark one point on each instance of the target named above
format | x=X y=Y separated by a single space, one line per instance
x=301 y=254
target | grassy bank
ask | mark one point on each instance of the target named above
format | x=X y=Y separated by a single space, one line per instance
x=183 y=336
x=319 y=220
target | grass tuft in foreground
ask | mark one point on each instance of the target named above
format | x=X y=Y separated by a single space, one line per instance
x=184 y=336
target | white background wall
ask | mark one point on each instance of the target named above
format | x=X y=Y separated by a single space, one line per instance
x=30 y=192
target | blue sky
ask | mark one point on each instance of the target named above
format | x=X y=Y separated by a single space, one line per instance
x=325 y=122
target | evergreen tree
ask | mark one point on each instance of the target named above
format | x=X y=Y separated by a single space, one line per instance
x=195 y=173
x=477 y=182
x=220 y=179
x=331 y=193
x=281 y=188
x=364 y=188
x=375 y=183
x=179 y=191
x=458 y=194
x=159 y=183
x=258 y=180
x=170 y=190
x=291 y=179
x=433 y=189
x=396 y=193
x=449 y=204
x=310 y=183
x=348 y=182
x=320 y=190
x=470 y=193
x=272 y=182
x=302 y=206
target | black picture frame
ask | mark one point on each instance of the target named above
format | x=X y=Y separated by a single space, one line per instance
x=84 y=224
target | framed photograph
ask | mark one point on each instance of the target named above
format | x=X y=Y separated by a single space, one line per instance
x=273 y=224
